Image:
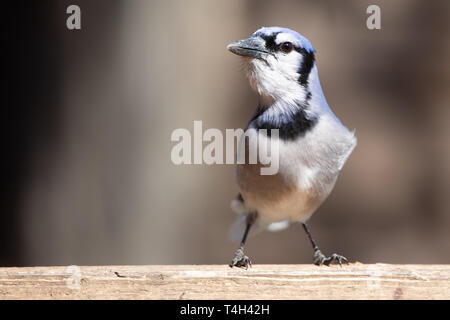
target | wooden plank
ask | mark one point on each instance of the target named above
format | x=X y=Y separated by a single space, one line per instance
x=354 y=281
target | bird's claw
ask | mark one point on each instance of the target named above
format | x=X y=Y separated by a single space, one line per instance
x=320 y=259
x=240 y=260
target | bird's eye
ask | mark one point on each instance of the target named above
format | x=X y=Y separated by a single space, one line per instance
x=286 y=47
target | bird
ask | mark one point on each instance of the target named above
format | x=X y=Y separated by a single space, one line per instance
x=312 y=142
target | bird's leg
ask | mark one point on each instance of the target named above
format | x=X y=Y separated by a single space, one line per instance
x=319 y=257
x=240 y=260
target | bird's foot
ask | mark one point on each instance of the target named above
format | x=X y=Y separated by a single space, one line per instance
x=320 y=259
x=240 y=260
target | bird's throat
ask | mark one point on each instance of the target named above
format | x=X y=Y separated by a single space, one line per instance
x=291 y=118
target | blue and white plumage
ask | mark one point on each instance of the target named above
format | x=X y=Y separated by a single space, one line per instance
x=313 y=144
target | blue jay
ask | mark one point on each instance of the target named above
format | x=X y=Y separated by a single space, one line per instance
x=313 y=144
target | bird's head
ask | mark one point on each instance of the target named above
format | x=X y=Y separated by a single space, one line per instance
x=279 y=62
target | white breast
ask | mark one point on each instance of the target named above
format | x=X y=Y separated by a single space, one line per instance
x=309 y=166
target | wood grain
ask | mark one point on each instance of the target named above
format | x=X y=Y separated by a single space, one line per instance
x=355 y=281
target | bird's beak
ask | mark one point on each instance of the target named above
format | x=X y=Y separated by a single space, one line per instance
x=251 y=47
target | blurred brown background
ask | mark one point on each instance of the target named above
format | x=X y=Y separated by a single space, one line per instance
x=88 y=178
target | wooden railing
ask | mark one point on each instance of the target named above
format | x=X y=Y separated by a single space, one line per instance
x=354 y=281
